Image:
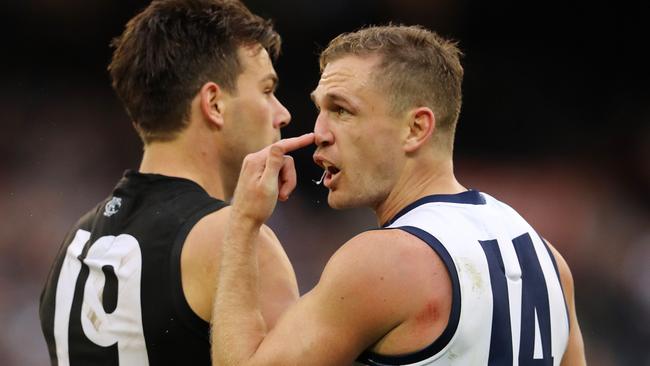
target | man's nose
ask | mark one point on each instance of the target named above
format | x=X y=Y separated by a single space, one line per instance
x=322 y=134
x=283 y=116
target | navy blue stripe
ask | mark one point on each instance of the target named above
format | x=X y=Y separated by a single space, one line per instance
x=559 y=279
x=501 y=339
x=470 y=197
x=371 y=358
x=534 y=298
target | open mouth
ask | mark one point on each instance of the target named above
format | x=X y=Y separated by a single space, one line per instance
x=330 y=173
x=327 y=176
x=332 y=170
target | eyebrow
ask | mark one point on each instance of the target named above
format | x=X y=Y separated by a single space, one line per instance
x=273 y=78
x=336 y=98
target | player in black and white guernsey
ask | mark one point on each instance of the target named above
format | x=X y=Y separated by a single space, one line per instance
x=133 y=282
x=452 y=277
x=115 y=294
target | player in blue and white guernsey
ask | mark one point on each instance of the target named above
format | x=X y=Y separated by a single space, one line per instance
x=452 y=277
x=134 y=279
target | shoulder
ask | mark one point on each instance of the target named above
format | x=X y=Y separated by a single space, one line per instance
x=378 y=281
x=203 y=242
x=383 y=249
x=208 y=231
x=201 y=255
x=389 y=266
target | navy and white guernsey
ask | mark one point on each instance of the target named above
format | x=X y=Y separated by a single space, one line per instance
x=508 y=307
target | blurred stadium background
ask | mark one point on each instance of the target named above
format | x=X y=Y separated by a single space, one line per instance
x=555 y=121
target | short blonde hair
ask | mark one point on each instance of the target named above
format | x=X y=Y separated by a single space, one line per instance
x=417 y=68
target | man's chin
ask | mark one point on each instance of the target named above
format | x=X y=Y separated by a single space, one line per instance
x=336 y=201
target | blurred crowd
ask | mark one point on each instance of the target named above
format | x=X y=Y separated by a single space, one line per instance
x=555 y=122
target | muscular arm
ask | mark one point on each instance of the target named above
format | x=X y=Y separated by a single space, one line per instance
x=361 y=296
x=575 y=351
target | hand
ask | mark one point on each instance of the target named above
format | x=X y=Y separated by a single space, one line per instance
x=265 y=177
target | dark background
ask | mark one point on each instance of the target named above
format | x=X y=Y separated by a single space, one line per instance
x=555 y=122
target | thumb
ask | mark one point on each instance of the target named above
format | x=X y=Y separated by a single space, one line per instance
x=274 y=162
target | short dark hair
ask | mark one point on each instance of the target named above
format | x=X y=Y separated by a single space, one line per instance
x=173 y=47
x=417 y=68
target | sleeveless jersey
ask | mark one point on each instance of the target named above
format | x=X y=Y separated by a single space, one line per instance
x=508 y=307
x=114 y=294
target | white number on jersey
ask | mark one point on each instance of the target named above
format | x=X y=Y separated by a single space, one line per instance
x=122 y=323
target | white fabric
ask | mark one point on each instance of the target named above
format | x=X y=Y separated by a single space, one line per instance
x=460 y=227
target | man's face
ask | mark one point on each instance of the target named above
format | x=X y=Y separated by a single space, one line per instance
x=253 y=115
x=358 y=140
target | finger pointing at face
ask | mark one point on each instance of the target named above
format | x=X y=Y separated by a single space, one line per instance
x=266 y=176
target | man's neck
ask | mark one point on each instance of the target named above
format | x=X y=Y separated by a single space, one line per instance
x=417 y=181
x=180 y=159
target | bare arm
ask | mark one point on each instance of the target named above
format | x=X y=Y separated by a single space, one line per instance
x=239 y=325
x=278 y=286
x=575 y=351
x=359 y=299
x=237 y=317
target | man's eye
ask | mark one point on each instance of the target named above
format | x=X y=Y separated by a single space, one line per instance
x=340 y=111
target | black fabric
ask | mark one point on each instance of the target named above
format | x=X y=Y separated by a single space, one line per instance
x=158 y=211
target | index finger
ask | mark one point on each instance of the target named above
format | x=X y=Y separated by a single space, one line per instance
x=295 y=143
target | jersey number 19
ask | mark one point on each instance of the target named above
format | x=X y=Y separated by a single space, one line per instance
x=98 y=301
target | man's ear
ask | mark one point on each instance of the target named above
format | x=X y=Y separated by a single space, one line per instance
x=422 y=123
x=211 y=103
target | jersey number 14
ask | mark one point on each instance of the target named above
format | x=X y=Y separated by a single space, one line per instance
x=534 y=338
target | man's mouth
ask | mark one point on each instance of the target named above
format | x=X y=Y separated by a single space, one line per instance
x=330 y=173
x=332 y=170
